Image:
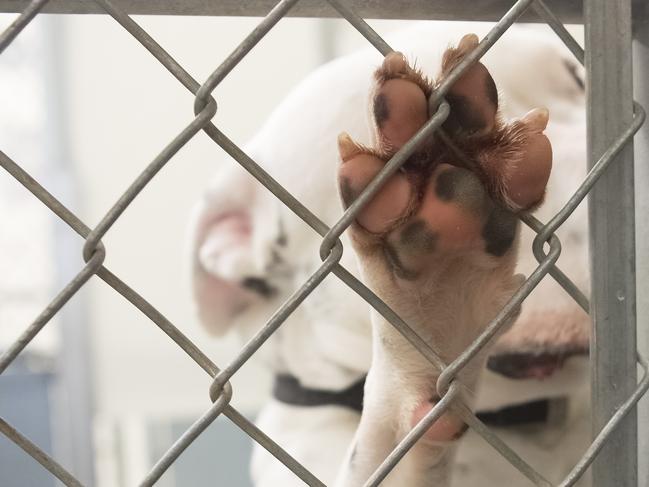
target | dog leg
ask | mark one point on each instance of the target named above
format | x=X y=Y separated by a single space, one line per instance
x=438 y=244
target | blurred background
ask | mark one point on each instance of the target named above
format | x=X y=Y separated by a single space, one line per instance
x=84 y=108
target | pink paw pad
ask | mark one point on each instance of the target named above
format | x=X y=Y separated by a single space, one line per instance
x=439 y=202
x=356 y=172
x=452 y=206
x=527 y=181
x=473 y=98
x=399 y=104
x=400 y=109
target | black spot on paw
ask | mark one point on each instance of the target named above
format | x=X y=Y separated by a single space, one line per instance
x=491 y=90
x=461 y=185
x=417 y=236
x=347 y=193
x=447 y=183
x=260 y=286
x=381 y=110
x=394 y=262
x=352 y=458
x=499 y=232
x=464 y=116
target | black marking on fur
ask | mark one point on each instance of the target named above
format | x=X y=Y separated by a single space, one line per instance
x=394 y=261
x=260 y=286
x=417 y=236
x=572 y=69
x=347 y=193
x=282 y=237
x=464 y=116
x=500 y=231
x=447 y=184
x=461 y=185
x=533 y=412
x=526 y=365
x=381 y=110
x=288 y=390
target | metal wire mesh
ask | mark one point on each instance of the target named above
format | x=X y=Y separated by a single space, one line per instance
x=330 y=251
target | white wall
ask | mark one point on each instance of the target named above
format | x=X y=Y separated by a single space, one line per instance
x=27 y=255
x=122 y=109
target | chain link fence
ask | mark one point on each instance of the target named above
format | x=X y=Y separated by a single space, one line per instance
x=613 y=153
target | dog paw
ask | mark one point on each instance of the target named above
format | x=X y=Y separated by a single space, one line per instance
x=399 y=102
x=434 y=204
x=437 y=241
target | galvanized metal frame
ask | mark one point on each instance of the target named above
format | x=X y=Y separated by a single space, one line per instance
x=610 y=161
x=641 y=177
x=612 y=234
x=570 y=11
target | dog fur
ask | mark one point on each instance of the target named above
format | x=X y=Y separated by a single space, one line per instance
x=249 y=253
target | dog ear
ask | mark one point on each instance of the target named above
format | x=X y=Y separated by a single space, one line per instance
x=221 y=252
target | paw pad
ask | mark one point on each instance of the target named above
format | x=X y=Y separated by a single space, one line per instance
x=431 y=205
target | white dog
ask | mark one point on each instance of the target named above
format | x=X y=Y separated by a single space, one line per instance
x=250 y=252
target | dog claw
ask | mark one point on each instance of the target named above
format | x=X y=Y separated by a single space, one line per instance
x=395 y=63
x=537 y=119
x=468 y=42
x=347 y=148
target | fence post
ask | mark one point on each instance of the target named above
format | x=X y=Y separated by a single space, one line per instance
x=612 y=237
x=641 y=87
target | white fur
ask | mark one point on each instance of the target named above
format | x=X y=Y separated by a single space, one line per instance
x=326 y=342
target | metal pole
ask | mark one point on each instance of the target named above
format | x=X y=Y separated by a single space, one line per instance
x=612 y=237
x=641 y=147
x=491 y=10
